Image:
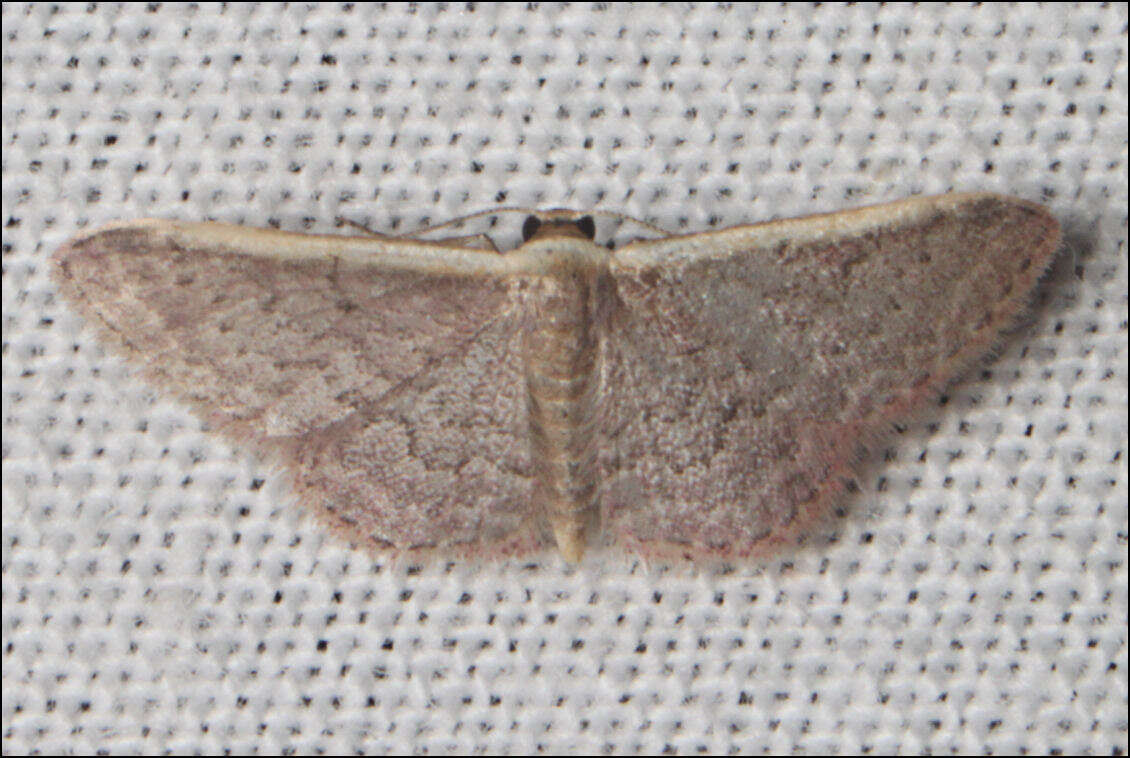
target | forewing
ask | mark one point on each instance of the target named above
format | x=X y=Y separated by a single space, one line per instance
x=748 y=369
x=383 y=375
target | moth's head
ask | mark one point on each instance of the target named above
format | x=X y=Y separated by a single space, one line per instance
x=550 y=224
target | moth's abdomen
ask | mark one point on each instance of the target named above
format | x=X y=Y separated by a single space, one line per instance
x=562 y=376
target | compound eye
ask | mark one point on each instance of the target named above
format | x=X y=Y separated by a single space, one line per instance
x=587 y=226
x=530 y=227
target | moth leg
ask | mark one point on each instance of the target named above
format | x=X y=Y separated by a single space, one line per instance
x=478 y=241
x=622 y=219
x=471 y=241
x=362 y=227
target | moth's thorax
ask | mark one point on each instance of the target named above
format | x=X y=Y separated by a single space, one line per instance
x=562 y=351
x=557 y=248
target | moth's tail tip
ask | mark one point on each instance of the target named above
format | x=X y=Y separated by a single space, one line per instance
x=571 y=546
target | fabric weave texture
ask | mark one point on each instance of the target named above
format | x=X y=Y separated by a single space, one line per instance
x=164 y=592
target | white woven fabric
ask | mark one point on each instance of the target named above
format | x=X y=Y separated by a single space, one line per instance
x=163 y=592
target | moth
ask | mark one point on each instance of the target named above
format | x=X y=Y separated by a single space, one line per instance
x=695 y=395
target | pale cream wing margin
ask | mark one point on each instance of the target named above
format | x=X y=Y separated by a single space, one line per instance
x=748 y=369
x=384 y=375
